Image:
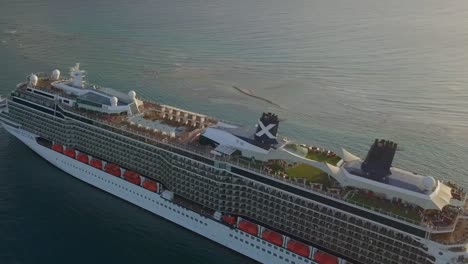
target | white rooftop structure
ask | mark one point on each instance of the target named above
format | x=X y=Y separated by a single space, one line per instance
x=423 y=191
x=229 y=140
x=225 y=149
x=101 y=99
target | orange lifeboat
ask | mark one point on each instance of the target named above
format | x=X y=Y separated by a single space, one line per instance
x=57 y=147
x=248 y=227
x=273 y=237
x=229 y=219
x=150 y=185
x=83 y=158
x=325 y=258
x=96 y=163
x=113 y=169
x=298 y=248
x=132 y=177
x=70 y=153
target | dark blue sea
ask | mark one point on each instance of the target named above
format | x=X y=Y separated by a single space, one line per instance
x=339 y=73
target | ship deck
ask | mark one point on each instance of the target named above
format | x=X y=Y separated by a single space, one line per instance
x=46 y=86
x=459 y=237
x=178 y=128
x=317 y=181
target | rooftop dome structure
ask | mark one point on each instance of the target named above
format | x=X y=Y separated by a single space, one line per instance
x=33 y=79
x=428 y=183
x=132 y=95
x=55 y=75
x=114 y=101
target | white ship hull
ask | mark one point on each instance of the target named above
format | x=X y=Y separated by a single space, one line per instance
x=237 y=240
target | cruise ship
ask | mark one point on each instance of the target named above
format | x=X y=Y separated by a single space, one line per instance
x=247 y=188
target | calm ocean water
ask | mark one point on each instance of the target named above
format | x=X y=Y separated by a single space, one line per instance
x=342 y=73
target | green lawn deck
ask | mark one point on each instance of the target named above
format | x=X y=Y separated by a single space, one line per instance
x=323 y=157
x=385 y=205
x=317 y=156
x=309 y=173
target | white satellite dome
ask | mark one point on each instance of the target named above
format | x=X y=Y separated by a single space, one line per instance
x=33 y=79
x=55 y=74
x=428 y=183
x=114 y=101
x=132 y=95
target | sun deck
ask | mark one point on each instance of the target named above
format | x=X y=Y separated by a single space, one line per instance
x=372 y=200
x=314 y=153
x=99 y=98
x=459 y=237
x=398 y=178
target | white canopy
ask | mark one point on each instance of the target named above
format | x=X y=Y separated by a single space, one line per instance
x=423 y=191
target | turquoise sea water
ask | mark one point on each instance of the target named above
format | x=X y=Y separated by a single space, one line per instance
x=342 y=73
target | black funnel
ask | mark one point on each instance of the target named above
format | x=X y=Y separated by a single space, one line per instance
x=379 y=160
x=267 y=129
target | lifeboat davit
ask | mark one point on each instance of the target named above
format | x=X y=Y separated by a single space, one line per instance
x=70 y=153
x=150 y=185
x=57 y=147
x=325 y=258
x=83 y=158
x=229 y=219
x=248 y=227
x=96 y=163
x=298 y=248
x=273 y=237
x=113 y=169
x=132 y=177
